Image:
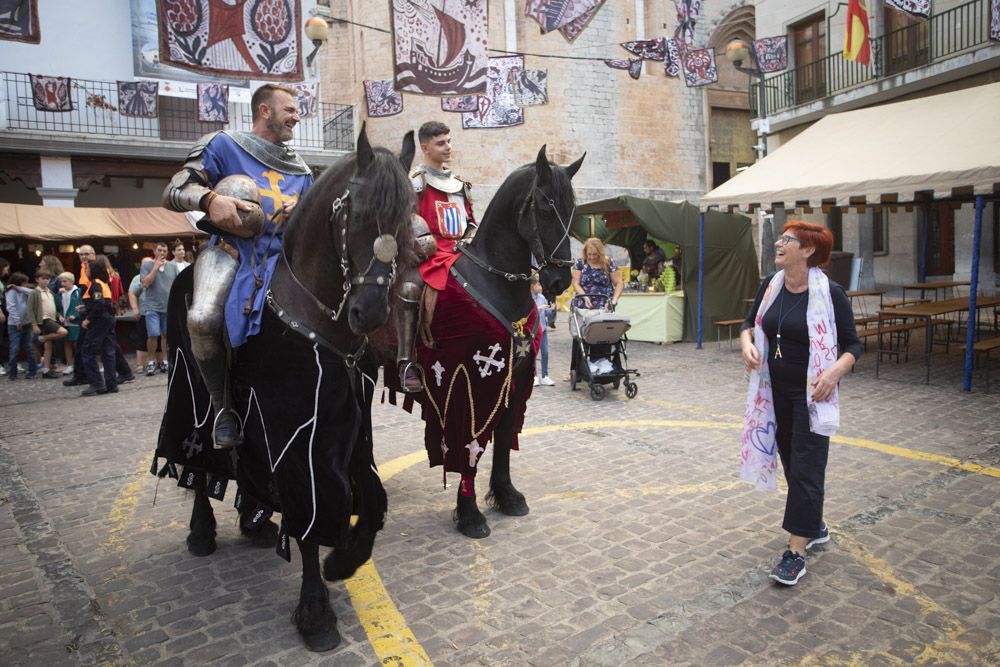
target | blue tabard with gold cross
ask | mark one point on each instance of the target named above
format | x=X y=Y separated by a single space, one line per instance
x=258 y=256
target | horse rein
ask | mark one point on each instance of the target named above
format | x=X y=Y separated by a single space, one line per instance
x=529 y=204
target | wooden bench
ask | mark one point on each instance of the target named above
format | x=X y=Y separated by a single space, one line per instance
x=899 y=338
x=729 y=324
x=904 y=302
x=859 y=321
x=986 y=346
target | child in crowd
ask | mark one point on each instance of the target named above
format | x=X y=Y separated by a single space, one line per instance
x=43 y=318
x=136 y=300
x=99 y=321
x=66 y=308
x=543 y=350
x=18 y=326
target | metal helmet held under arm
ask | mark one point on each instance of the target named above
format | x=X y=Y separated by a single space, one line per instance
x=244 y=188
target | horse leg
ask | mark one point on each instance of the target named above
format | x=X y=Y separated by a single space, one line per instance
x=314 y=617
x=265 y=534
x=468 y=519
x=201 y=539
x=503 y=496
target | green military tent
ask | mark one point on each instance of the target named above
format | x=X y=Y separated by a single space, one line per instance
x=730 y=261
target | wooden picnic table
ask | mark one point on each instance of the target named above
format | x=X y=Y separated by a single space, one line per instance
x=857 y=294
x=927 y=312
x=935 y=286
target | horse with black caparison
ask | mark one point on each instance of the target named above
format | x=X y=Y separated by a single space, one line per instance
x=479 y=358
x=303 y=385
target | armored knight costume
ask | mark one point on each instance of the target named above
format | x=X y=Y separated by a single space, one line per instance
x=232 y=274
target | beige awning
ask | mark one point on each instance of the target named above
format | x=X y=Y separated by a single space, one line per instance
x=154 y=222
x=948 y=144
x=51 y=223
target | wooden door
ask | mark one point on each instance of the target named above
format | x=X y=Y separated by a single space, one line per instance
x=940 y=240
x=907 y=41
x=809 y=39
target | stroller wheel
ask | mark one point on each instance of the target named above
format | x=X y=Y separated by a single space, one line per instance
x=597 y=391
x=631 y=389
x=572 y=380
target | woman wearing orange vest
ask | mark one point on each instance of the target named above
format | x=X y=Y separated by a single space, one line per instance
x=99 y=321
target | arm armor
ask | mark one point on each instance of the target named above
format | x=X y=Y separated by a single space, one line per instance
x=424 y=243
x=190 y=184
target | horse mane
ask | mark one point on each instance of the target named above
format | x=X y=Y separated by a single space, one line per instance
x=518 y=181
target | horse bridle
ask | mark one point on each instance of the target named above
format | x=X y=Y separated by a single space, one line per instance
x=384 y=251
x=545 y=260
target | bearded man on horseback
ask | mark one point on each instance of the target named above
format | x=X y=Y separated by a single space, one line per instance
x=247 y=219
x=444 y=206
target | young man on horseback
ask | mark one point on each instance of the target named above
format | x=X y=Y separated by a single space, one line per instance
x=238 y=260
x=444 y=203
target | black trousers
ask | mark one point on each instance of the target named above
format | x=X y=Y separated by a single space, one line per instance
x=100 y=342
x=120 y=362
x=803 y=457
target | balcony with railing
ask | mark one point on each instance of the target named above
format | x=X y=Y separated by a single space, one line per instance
x=962 y=28
x=96 y=118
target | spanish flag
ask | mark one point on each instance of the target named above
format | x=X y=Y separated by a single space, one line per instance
x=856 y=46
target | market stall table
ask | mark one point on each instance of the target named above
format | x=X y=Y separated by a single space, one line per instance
x=935 y=286
x=657 y=317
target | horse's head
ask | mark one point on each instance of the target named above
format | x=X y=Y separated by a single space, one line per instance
x=374 y=237
x=546 y=223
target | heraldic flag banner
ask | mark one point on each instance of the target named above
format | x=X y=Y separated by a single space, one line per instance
x=440 y=46
x=856 y=46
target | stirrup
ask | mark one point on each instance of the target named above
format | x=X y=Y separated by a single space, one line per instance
x=215 y=424
x=404 y=368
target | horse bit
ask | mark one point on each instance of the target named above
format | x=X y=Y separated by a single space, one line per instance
x=529 y=204
x=384 y=250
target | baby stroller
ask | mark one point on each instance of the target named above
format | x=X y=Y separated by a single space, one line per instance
x=599 y=350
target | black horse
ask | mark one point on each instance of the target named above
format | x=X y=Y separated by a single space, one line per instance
x=303 y=385
x=479 y=366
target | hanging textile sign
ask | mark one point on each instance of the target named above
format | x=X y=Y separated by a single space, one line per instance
x=687 y=17
x=460 y=103
x=572 y=29
x=382 y=100
x=995 y=20
x=530 y=87
x=51 y=93
x=305 y=98
x=772 y=53
x=648 y=49
x=672 y=58
x=19 y=21
x=699 y=68
x=258 y=39
x=440 y=50
x=921 y=8
x=138 y=99
x=558 y=14
x=633 y=65
x=497 y=107
x=213 y=103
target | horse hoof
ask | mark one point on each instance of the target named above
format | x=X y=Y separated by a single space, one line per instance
x=326 y=640
x=264 y=537
x=511 y=502
x=473 y=526
x=201 y=546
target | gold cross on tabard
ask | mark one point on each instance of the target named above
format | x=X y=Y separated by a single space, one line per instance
x=274 y=179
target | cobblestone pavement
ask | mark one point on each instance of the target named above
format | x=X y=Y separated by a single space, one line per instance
x=641 y=548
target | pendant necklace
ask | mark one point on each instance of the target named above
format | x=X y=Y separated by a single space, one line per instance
x=781 y=318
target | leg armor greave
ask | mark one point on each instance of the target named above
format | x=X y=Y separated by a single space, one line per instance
x=411 y=376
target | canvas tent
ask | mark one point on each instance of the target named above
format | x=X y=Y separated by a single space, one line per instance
x=51 y=223
x=880 y=155
x=730 y=271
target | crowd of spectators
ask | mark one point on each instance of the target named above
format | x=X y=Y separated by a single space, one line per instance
x=54 y=323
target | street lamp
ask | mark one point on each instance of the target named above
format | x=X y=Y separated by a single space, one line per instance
x=317 y=31
x=736 y=53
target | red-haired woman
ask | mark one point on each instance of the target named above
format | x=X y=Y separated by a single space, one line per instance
x=797 y=342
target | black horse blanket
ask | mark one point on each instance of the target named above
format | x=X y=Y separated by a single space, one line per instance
x=306 y=416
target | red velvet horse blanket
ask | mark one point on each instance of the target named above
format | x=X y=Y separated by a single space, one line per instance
x=469 y=377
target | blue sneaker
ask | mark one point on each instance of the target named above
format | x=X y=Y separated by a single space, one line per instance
x=790 y=569
x=824 y=537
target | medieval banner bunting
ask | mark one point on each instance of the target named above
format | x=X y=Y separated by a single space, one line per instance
x=258 y=39
x=633 y=65
x=51 y=93
x=460 y=103
x=699 y=68
x=530 y=87
x=687 y=17
x=497 y=107
x=672 y=58
x=772 y=53
x=213 y=103
x=382 y=100
x=572 y=29
x=648 y=49
x=19 y=21
x=305 y=98
x=995 y=20
x=440 y=47
x=138 y=99
x=856 y=46
x=920 y=8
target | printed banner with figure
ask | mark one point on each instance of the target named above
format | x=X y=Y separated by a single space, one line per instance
x=138 y=99
x=572 y=29
x=440 y=46
x=920 y=8
x=381 y=99
x=558 y=14
x=51 y=93
x=19 y=21
x=305 y=98
x=497 y=108
x=995 y=20
x=259 y=39
x=213 y=103
x=772 y=53
x=530 y=87
x=648 y=49
x=460 y=103
x=699 y=68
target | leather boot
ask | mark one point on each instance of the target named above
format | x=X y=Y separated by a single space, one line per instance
x=226 y=432
x=411 y=375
